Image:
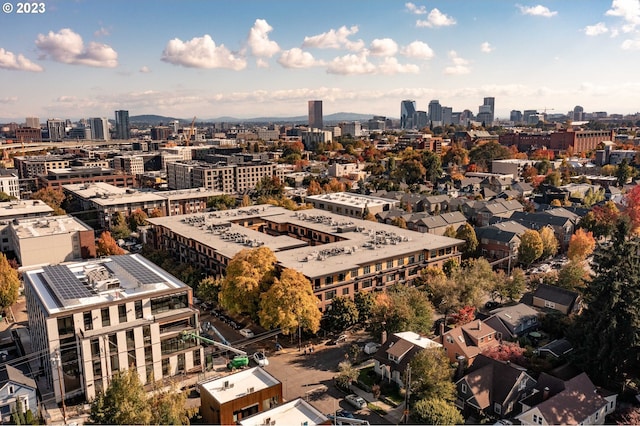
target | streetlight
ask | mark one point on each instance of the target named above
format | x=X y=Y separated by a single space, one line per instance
x=56 y=359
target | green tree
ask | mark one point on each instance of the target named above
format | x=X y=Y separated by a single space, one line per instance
x=365 y=303
x=472 y=281
x=624 y=172
x=431 y=375
x=468 y=234
x=9 y=283
x=6 y=197
x=107 y=246
x=531 y=247
x=124 y=403
x=432 y=165
x=402 y=308
x=573 y=275
x=341 y=314
x=269 y=186
x=290 y=303
x=436 y=411
x=119 y=228
x=450 y=232
x=209 y=289
x=168 y=407
x=512 y=287
x=549 y=242
x=483 y=154
x=553 y=178
x=606 y=338
x=347 y=373
x=221 y=202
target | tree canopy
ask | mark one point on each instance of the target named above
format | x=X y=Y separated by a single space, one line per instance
x=341 y=314
x=52 y=197
x=401 y=308
x=107 y=246
x=549 y=242
x=581 y=245
x=468 y=234
x=9 y=283
x=531 y=247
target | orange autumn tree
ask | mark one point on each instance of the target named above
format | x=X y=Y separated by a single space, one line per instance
x=107 y=246
x=581 y=245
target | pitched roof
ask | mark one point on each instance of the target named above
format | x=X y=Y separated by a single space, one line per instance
x=509 y=317
x=12 y=374
x=560 y=296
x=574 y=404
x=465 y=337
x=557 y=347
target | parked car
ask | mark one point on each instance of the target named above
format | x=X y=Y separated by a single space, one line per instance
x=247 y=333
x=356 y=401
x=341 y=413
x=261 y=359
x=340 y=339
x=491 y=305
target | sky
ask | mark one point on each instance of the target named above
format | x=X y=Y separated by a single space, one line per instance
x=256 y=58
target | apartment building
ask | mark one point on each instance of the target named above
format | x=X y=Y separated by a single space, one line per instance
x=12 y=210
x=352 y=205
x=32 y=166
x=90 y=319
x=56 y=179
x=365 y=255
x=9 y=183
x=227 y=178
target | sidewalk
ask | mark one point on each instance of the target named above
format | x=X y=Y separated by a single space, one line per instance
x=393 y=416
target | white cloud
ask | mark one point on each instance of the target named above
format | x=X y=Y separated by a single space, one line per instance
x=102 y=32
x=538 y=10
x=391 y=66
x=67 y=47
x=383 y=47
x=597 y=29
x=297 y=58
x=10 y=61
x=416 y=10
x=436 y=19
x=259 y=42
x=459 y=66
x=630 y=45
x=145 y=70
x=262 y=63
x=335 y=39
x=351 y=64
x=417 y=50
x=201 y=52
x=628 y=10
x=9 y=100
x=486 y=47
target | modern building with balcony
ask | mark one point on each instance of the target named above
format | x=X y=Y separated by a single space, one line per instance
x=88 y=320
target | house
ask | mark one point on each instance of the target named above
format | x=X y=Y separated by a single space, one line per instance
x=297 y=411
x=437 y=224
x=434 y=204
x=396 y=353
x=559 y=299
x=229 y=399
x=574 y=402
x=497 y=208
x=562 y=222
x=468 y=340
x=493 y=387
x=513 y=321
x=500 y=240
x=556 y=348
x=16 y=387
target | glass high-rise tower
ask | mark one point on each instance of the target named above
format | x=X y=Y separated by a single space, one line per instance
x=408 y=114
x=315 y=115
x=122 y=125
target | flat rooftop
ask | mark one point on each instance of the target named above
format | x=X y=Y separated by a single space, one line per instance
x=71 y=285
x=361 y=242
x=353 y=200
x=237 y=385
x=297 y=411
x=47 y=226
x=11 y=209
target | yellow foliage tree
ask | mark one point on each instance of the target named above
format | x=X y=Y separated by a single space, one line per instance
x=9 y=283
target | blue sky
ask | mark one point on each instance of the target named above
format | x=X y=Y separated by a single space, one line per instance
x=244 y=58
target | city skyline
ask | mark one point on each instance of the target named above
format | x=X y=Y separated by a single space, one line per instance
x=256 y=58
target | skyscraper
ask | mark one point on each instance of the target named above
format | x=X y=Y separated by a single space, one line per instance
x=33 y=122
x=491 y=102
x=315 y=115
x=100 y=129
x=57 y=129
x=435 y=112
x=408 y=114
x=122 y=125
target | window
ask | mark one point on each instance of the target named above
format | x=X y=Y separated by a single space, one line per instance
x=389 y=264
x=366 y=283
x=412 y=259
x=10 y=390
x=131 y=340
x=88 y=321
x=328 y=280
x=328 y=295
x=181 y=363
x=65 y=325
x=138 y=308
x=378 y=267
x=548 y=304
x=166 y=367
x=367 y=269
x=95 y=348
x=122 y=313
x=497 y=408
x=196 y=358
x=106 y=320
x=345 y=291
x=463 y=388
x=421 y=257
x=354 y=273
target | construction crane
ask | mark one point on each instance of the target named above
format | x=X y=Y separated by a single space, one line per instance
x=191 y=335
x=192 y=132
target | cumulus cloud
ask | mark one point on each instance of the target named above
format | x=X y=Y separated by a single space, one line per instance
x=459 y=65
x=9 y=100
x=628 y=10
x=11 y=61
x=416 y=10
x=201 y=52
x=145 y=70
x=486 y=47
x=417 y=50
x=351 y=64
x=597 y=29
x=538 y=10
x=383 y=47
x=335 y=39
x=259 y=42
x=67 y=47
x=102 y=32
x=630 y=45
x=391 y=66
x=436 y=19
x=297 y=58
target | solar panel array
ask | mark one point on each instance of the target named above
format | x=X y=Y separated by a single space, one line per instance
x=64 y=284
x=136 y=269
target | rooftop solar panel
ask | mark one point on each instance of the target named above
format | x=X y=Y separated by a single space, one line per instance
x=136 y=269
x=64 y=284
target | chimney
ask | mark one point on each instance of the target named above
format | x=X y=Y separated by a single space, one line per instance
x=479 y=325
x=383 y=337
x=545 y=393
x=441 y=328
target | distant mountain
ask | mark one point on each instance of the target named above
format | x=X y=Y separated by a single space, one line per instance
x=301 y=119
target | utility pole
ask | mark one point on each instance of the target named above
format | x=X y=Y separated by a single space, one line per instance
x=57 y=359
x=407 y=395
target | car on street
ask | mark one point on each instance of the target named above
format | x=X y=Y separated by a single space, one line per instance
x=261 y=359
x=247 y=333
x=356 y=401
x=341 y=413
x=340 y=339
